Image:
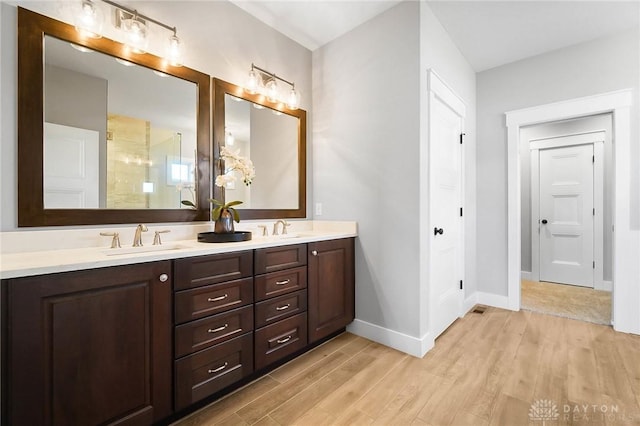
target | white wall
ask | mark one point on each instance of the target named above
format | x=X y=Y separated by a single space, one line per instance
x=220 y=39
x=590 y=68
x=565 y=128
x=368 y=134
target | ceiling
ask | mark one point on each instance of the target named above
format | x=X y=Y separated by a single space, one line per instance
x=488 y=33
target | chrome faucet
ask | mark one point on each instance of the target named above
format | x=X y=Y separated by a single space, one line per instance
x=284 y=227
x=137 y=237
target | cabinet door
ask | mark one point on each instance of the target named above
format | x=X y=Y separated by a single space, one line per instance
x=331 y=286
x=90 y=347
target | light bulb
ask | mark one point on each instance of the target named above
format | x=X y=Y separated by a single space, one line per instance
x=136 y=34
x=174 y=51
x=272 y=90
x=293 y=100
x=89 y=20
x=253 y=82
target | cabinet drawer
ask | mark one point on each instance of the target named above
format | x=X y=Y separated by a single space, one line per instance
x=208 y=371
x=281 y=307
x=205 y=270
x=201 y=302
x=280 y=339
x=277 y=283
x=279 y=258
x=200 y=334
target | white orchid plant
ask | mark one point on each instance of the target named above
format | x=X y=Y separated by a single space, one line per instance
x=233 y=161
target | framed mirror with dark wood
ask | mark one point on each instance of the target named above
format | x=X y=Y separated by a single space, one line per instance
x=274 y=138
x=106 y=135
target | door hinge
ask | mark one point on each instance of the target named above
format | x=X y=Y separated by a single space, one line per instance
x=461 y=137
x=593 y=159
x=594 y=264
x=594 y=211
x=460 y=284
x=460 y=211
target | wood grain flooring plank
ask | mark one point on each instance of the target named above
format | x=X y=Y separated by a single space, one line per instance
x=277 y=396
x=299 y=364
x=304 y=401
x=346 y=395
x=229 y=404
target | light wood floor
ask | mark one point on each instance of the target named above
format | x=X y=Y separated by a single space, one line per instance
x=485 y=369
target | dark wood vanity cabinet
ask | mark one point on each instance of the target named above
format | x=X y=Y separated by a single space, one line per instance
x=331 y=286
x=136 y=344
x=281 y=303
x=214 y=318
x=89 y=347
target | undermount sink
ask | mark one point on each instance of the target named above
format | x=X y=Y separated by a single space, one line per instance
x=142 y=249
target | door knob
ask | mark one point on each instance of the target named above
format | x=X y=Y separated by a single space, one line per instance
x=544 y=221
x=163 y=278
x=437 y=231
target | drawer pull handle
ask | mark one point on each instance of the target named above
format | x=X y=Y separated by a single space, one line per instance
x=314 y=252
x=215 y=330
x=217 y=299
x=283 y=282
x=283 y=307
x=222 y=367
x=285 y=340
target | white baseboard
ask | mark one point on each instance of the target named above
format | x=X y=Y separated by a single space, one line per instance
x=525 y=275
x=606 y=286
x=469 y=303
x=394 y=339
x=494 y=300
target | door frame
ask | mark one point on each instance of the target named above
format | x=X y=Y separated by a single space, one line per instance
x=596 y=139
x=437 y=88
x=626 y=294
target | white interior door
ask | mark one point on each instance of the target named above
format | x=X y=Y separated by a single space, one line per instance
x=567 y=215
x=70 y=167
x=446 y=223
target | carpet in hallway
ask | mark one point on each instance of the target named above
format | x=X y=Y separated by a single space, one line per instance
x=581 y=303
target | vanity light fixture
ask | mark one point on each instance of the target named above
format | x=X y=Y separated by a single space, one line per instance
x=89 y=20
x=124 y=62
x=260 y=80
x=81 y=48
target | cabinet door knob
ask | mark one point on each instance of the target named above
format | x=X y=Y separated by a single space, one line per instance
x=163 y=278
x=314 y=252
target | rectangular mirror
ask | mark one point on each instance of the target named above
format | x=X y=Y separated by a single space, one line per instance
x=105 y=135
x=274 y=138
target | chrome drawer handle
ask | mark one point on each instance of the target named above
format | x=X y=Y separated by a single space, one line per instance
x=215 y=330
x=287 y=281
x=222 y=367
x=285 y=340
x=217 y=299
x=283 y=307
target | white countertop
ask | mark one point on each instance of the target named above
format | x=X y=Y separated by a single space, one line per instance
x=13 y=265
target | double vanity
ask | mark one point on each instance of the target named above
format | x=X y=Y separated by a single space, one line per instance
x=144 y=333
x=146 y=337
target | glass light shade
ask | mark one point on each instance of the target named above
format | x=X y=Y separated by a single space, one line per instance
x=253 y=82
x=89 y=20
x=136 y=34
x=174 y=51
x=272 y=90
x=293 y=99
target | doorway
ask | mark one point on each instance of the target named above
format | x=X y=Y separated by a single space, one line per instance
x=618 y=103
x=567 y=216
